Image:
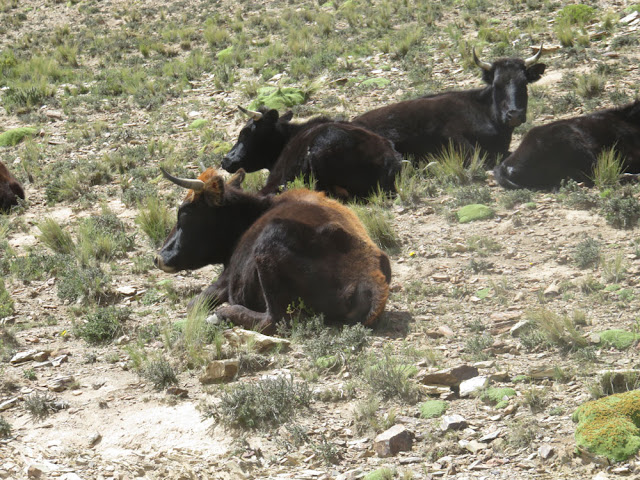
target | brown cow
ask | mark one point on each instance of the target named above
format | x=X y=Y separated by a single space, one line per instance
x=276 y=250
x=10 y=189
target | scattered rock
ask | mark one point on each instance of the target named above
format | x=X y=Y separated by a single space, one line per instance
x=22 y=357
x=60 y=384
x=552 y=291
x=178 y=392
x=518 y=328
x=453 y=422
x=396 y=439
x=545 y=451
x=490 y=436
x=220 y=370
x=472 y=446
x=473 y=385
x=451 y=377
x=262 y=343
x=95 y=439
x=7 y=404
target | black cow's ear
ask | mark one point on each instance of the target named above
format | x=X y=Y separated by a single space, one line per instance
x=487 y=76
x=272 y=115
x=534 y=72
x=214 y=191
x=17 y=190
x=237 y=179
x=287 y=116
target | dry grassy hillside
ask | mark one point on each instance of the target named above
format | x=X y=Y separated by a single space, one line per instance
x=112 y=386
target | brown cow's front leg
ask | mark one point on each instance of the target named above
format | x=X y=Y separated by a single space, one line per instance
x=213 y=295
x=239 y=315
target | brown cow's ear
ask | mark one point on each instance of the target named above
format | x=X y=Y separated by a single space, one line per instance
x=214 y=191
x=534 y=72
x=287 y=116
x=237 y=178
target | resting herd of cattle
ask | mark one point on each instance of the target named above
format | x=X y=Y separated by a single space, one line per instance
x=277 y=249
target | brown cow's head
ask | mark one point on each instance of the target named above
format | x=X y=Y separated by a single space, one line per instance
x=509 y=78
x=10 y=189
x=207 y=220
x=260 y=141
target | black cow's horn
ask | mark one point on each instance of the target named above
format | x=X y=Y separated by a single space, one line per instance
x=480 y=63
x=531 y=60
x=194 y=184
x=254 y=115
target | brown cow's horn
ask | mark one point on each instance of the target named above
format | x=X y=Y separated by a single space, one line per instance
x=531 y=60
x=250 y=113
x=194 y=184
x=480 y=63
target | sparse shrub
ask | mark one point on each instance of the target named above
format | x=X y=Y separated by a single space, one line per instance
x=498 y=397
x=377 y=221
x=576 y=196
x=576 y=14
x=265 y=403
x=522 y=432
x=160 y=373
x=622 y=209
x=54 y=237
x=512 y=198
x=590 y=85
x=588 y=253
x=366 y=419
x=411 y=186
x=548 y=329
x=472 y=194
x=5 y=428
x=613 y=270
x=478 y=346
x=610 y=382
x=6 y=302
x=87 y=284
x=103 y=325
x=389 y=377
x=457 y=166
x=482 y=245
x=155 y=220
x=41 y=405
x=103 y=237
x=536 y=398
x=607 y=170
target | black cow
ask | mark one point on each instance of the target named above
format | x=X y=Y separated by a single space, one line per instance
x=345 y=160
x=569 y=149
x=10 y=189
x=482 y=117
x=276 y=250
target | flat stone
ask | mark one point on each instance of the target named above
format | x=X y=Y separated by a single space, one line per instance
x=473 y=385
x=629 y=18
x=552 y=291
x=220 y=370
x=517 y=329
x=453 y=422
x=446 y=331
x=474 y=446
x=451 y=377
x=262 y=343
x=490 y=436
x=22 y=357
x=7 y=404
x=41 y=356
x=60 y=384
x=545 y=451
x=396 y=439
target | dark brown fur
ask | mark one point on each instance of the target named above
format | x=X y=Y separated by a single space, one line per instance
x=276 y=250
x=10 y=189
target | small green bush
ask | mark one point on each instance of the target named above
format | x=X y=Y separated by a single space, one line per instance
x=576 y=14
x=512 y=198
x=588 y=253
x=608 y=168
x=103 y=325
x=619 y=339
x=433 y=408
x=473 y=212
x=88 y=284
x=41 y=405
x=16 y=135
x=160 y=373
x=54 y=237
x=388 y=376
x=6 y=302
x=154 y=220
x=496 y=396
x=378 y=223
x=5 y=428
x=622 y=210
x=266 y=403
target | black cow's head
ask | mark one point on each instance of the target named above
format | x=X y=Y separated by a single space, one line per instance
x=260 y=141
x=508 y=78
x=204 y=231
x=10 y=189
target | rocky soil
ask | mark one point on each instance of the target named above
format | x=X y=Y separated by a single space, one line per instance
x=462 y=294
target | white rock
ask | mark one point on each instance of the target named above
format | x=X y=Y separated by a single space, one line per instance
x=473 y=385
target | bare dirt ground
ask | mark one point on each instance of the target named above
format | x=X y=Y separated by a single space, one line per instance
x=453 y=302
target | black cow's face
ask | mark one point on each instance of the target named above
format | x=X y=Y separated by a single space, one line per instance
x=259 y=144
x=509 y=79
x=200 y=235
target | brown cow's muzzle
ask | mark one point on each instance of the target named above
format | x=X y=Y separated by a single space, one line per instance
x=159 y=262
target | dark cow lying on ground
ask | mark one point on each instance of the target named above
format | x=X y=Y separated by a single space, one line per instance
x=482 y=117
x=569 y=149
x=345 y=160
x=276 y=250
x=10 y=189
